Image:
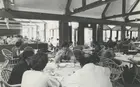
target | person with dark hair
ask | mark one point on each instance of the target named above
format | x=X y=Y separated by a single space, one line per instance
x=21 y=67
x=36 y=77
x=109 y=53
x=64 y=54
x=97 y=47
x=16 y=49
x=90 y=75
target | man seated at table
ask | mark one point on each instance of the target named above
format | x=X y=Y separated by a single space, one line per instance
x=21 y=67
x=64 y=54
x=36 y=77
x=90 y=75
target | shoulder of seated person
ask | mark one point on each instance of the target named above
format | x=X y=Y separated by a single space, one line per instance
x=31 y=72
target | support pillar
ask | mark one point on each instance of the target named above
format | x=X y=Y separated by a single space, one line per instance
x=45 y=25
x=111 y=34
x=130 y=34
x=81 y=34
x=138 y=33
x=127 y=33
x=122 y=33
x=70 y=33
x=94 y=30
x=63 y=32
x=75 y=37
x=100 y=33
x=117 y=34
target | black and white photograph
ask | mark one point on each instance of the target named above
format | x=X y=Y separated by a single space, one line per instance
x=69 y=43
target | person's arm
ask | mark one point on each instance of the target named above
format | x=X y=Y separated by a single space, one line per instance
x=72 y=56
x=58 y=56
x=134 y=61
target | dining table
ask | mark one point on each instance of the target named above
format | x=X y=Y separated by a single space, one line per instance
x=63 y=72
x=126 y=58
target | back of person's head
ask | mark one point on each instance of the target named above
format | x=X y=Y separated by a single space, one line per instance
x=91 y=58
x=28 y=52
x=18 y=43
x=65 y=44
x=78 y=54
x=39 y=61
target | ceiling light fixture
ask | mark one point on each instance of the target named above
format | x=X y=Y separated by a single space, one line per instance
x=89 y=25
x=12 y=2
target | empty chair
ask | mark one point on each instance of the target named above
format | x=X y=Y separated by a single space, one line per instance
x=8 y=56
x=7 y=53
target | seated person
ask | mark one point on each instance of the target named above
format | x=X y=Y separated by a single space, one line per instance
x=109 y=53
x=16 y=49
x=90 y=75
x=36 y=77
x=64 y=54
x=78 y=53
x=21 y=67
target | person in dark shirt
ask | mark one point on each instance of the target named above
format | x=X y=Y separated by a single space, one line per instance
x=21 y=67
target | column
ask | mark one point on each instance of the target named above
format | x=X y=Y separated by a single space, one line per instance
x=70 y=33
x=45 y=25
x=75 y=36
x=117 y=34
x=130 y=34
x=94 y=32
x=81 y=34
x=122 y=33
x=111 y=34
x=100 y=33
x=139 y=33
x=63 y=32
x=127 y=33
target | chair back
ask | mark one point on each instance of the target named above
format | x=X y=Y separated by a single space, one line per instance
x=7 y=53
x=5 y=75
x=115 y=69
x=8 y=56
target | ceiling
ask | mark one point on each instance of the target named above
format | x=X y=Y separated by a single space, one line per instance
x=58 y=7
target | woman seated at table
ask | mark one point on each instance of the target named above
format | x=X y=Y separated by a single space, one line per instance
x=90 y=75
x=36 y=77
x=21 y=67
x=64 y=54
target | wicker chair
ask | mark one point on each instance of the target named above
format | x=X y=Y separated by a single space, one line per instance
x=5 y=74
x=8 y=56
x=116 y=71
x=137 y=74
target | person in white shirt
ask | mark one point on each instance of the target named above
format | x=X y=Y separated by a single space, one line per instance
x=90 y=75
x=36 y=77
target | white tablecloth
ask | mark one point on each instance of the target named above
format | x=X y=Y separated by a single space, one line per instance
x=125 y=58
x=62 y=73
